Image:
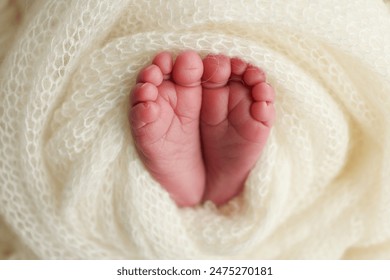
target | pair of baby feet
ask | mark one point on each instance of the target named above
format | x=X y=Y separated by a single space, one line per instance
x=200 y=126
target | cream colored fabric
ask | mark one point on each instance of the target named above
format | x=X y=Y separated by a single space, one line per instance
x=8 y=25
x=72 y=186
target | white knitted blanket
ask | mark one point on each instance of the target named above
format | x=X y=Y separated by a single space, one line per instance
x=72 y=185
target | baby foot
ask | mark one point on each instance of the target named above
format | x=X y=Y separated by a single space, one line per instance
x=236 y=117
x=164 y=118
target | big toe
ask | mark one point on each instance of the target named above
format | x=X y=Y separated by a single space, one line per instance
x=188 y=69
x=217 y=71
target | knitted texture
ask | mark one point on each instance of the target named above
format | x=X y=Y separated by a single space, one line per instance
x=73 y=187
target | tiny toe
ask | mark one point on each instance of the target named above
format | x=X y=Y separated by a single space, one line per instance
x=263 y=112
x=187 y=69
x=238 y=66
x=263 y=92
x=151 y=74
x=143 y=92
x=217 y=70
x=144 y=113
x=253 y=75
x=164 y=61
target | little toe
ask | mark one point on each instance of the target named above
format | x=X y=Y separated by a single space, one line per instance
x=217 y=71
x=263 y=92
x=188 y=69
x=143 y=92
x=144 y=113
x=253 y=75
x=263 y=112
x=164 y=61
x=151 y=74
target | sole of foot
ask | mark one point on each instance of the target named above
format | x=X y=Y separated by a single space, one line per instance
x=237 y=114
x=164 y=119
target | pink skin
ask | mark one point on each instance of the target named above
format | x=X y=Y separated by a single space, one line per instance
x=236 y=116
x=199 y=127
x=165 y=124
